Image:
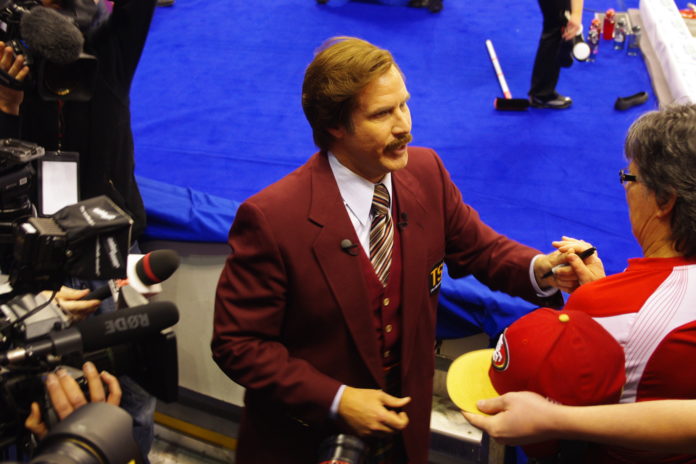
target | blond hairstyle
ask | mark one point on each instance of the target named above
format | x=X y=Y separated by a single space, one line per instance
x=341 y=68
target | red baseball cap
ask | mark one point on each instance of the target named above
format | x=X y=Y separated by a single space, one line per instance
x=565 y=356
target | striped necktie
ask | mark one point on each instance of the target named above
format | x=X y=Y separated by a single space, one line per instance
x=381 y=234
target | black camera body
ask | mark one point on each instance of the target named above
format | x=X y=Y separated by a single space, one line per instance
x=16 y=182
x=148 y=355
x=89 y=240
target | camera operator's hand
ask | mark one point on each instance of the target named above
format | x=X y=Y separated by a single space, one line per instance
x=66 y=396
x=69 y=301
x=10 y=99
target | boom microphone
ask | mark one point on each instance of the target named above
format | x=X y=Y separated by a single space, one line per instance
x=126 y=325
x=99 y=332
x=51 y=35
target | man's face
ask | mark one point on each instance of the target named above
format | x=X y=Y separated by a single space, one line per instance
x=381 y=129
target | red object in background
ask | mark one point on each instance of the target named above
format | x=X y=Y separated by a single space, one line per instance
x=608 y=29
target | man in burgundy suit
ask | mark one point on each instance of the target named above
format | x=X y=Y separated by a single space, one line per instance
x=325 y=338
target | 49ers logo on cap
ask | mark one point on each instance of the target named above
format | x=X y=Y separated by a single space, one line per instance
x=501 y=356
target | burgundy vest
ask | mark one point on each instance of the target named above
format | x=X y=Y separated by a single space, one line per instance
x=385 y=303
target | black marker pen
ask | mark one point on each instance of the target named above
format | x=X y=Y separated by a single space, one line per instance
x=585 y=254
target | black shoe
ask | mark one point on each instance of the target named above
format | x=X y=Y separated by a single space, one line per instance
x=417 y=3
x=165 y=2
x=558 y=102
x=435 y=6
x=624 y=103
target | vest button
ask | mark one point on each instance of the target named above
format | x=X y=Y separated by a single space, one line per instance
x=386 y=301
x=388 y=328
x=387 y=353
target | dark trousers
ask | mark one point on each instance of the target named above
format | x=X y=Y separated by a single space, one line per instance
x=389 y=450
x=546 y=66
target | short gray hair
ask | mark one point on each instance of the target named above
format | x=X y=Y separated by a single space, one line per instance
x=662 y=144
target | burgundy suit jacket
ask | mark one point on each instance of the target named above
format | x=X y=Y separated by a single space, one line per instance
x=292 y=322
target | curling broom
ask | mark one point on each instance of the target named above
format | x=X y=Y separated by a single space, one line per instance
x=508 y=103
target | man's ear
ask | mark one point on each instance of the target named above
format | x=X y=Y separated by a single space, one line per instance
x=336 y=132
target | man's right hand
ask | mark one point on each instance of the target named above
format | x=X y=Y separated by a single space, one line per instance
x=11 y=99
x=370 y=413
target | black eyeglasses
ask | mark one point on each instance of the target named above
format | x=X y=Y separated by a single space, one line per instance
x=626 y=177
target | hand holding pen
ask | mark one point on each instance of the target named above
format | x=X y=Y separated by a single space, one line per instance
x=585 y=268
x=585 y=254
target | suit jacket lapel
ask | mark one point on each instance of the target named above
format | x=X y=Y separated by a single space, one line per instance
x=341 y=270
x=413 y=256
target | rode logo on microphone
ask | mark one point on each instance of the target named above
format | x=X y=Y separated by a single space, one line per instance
x=126 y=323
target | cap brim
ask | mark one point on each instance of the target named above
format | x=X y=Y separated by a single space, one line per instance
x=468 y=381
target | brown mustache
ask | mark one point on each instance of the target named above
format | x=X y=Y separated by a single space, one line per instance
x=400 y=142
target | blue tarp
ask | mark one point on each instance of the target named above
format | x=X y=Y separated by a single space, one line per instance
x=217 y=117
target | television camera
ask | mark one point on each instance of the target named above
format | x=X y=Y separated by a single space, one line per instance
x=88 y=240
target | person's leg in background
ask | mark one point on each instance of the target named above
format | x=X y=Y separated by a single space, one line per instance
x=547 y=67
x=435 y=6
x=141 y=406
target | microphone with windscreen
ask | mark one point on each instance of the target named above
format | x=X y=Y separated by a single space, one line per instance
x=145 y=273
x=53 y=48
x=51 y=35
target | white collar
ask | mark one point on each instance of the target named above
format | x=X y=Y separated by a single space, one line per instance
x=356 y=191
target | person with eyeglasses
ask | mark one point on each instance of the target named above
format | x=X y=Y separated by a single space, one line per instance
x=650 y=307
